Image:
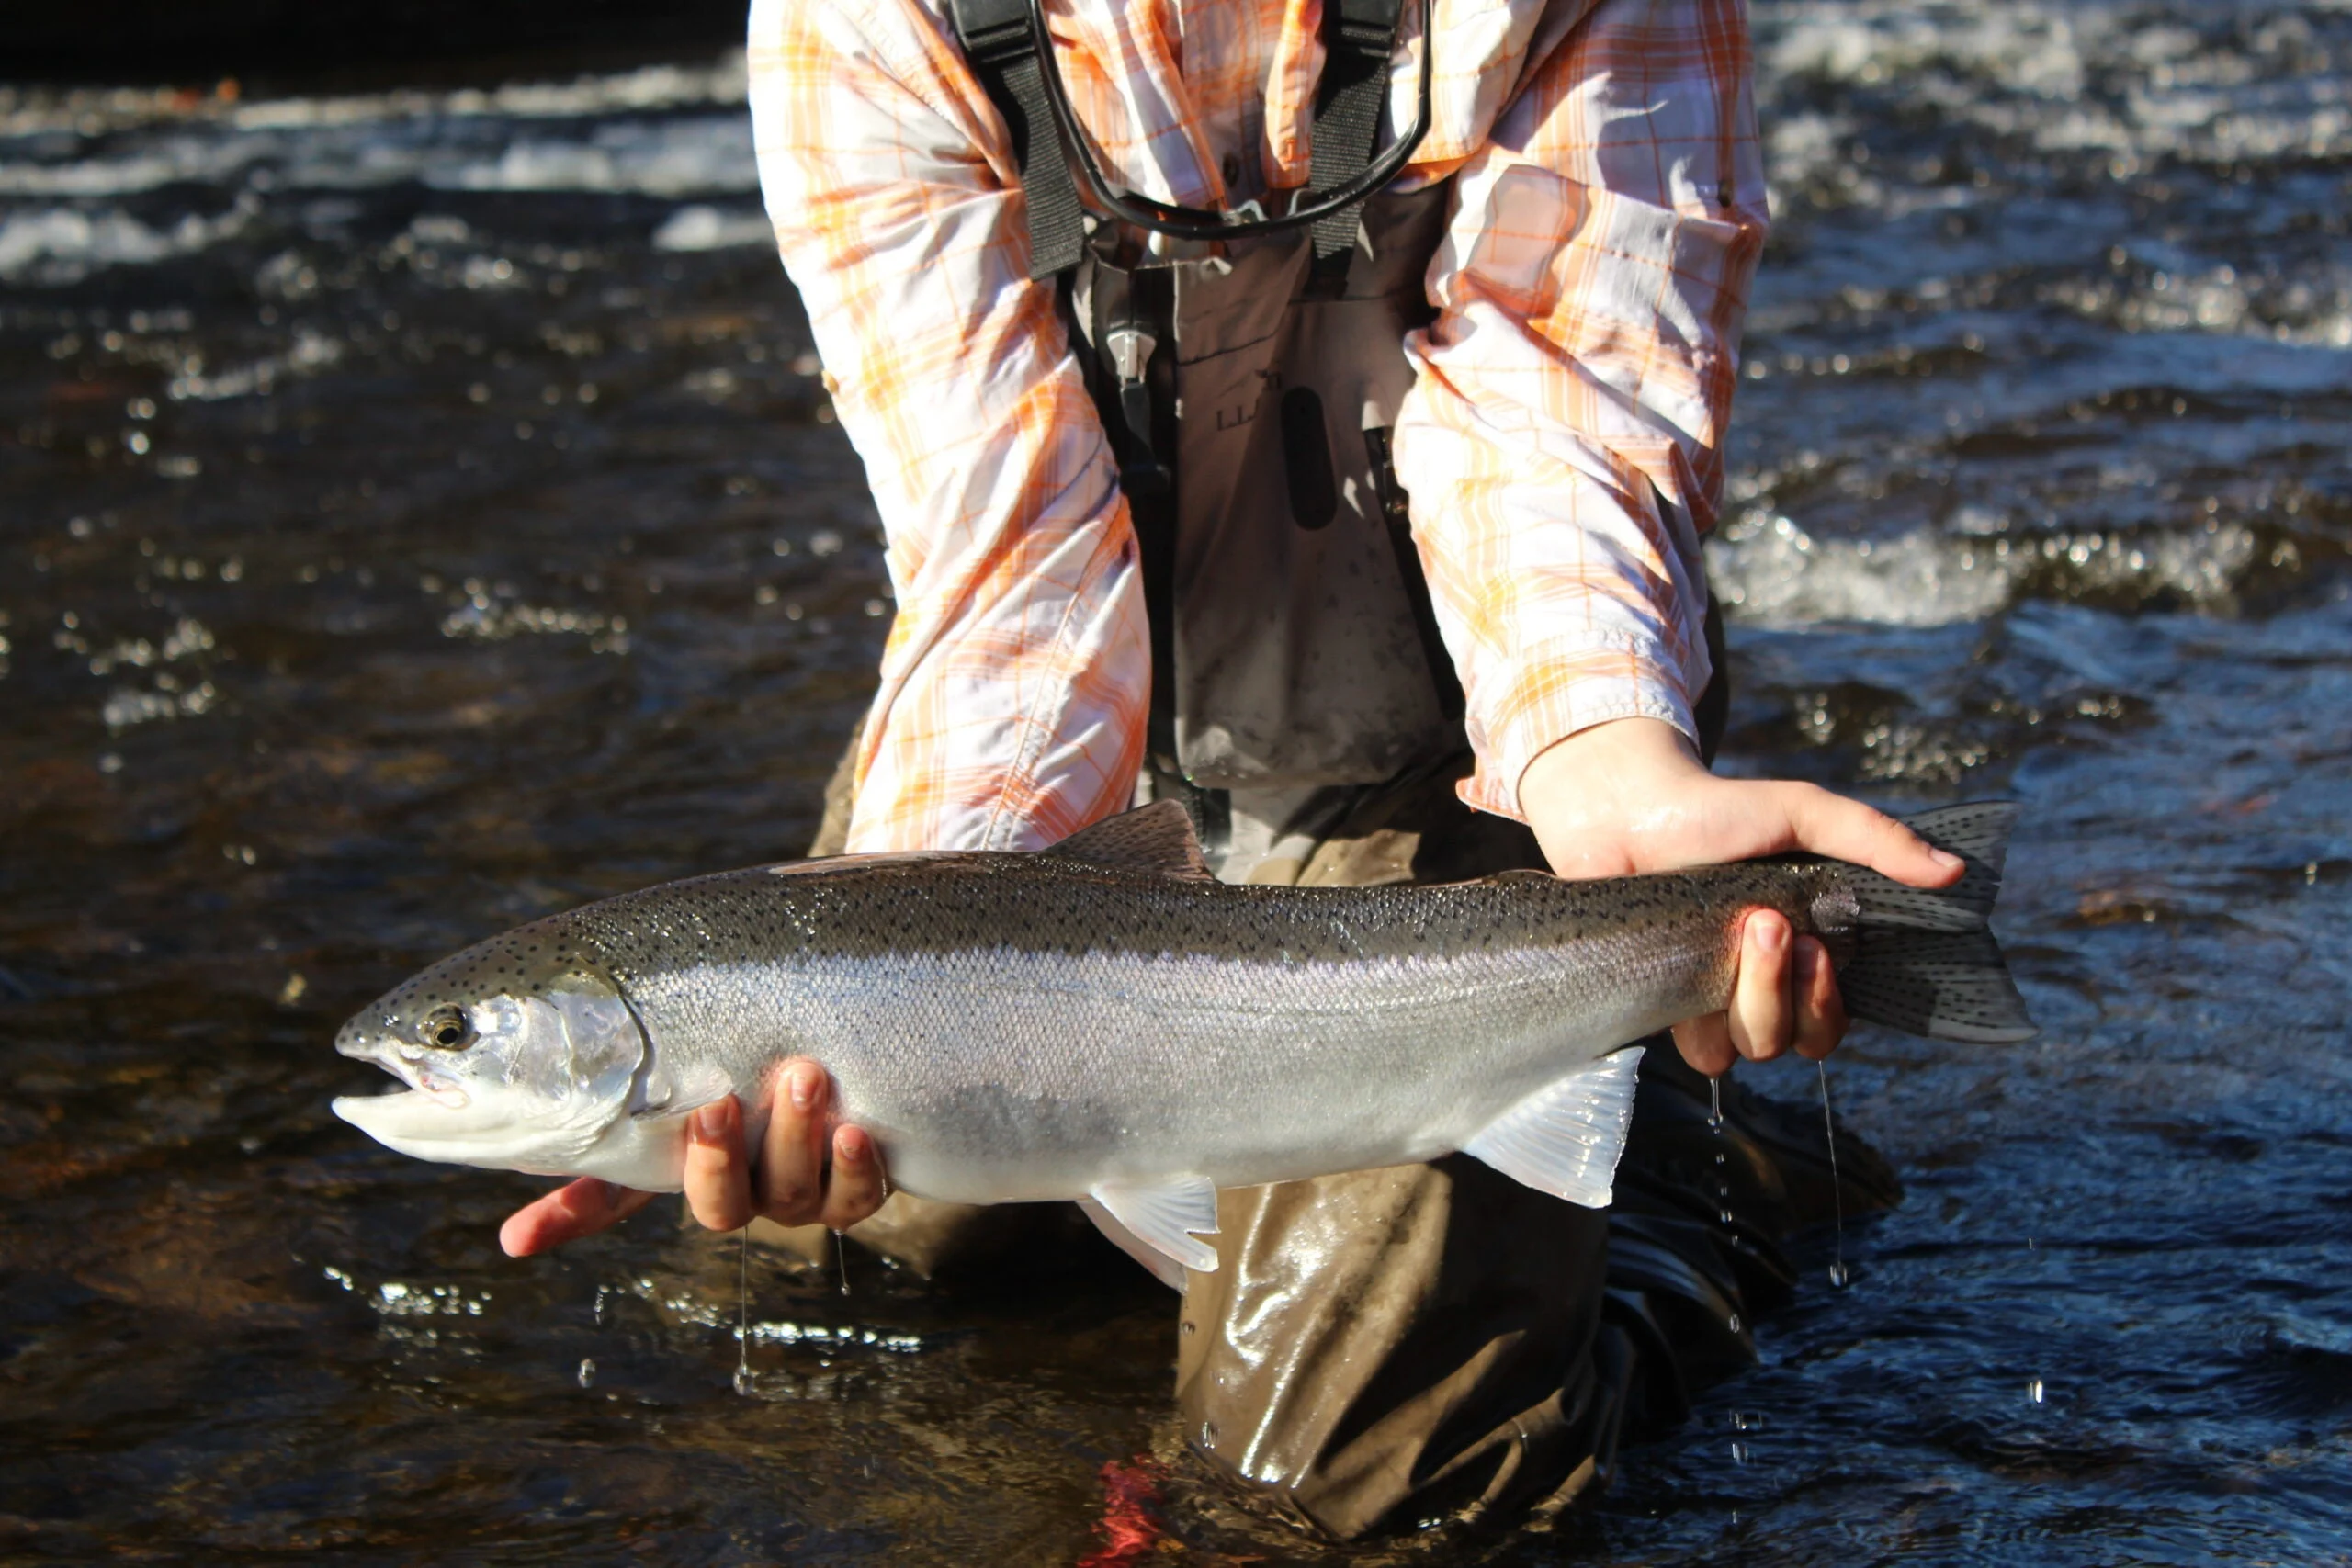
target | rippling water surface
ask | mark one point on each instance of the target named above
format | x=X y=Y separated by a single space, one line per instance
x=422 y=513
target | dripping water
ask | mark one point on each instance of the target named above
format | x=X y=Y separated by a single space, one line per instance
x=743 y=1310
x=1837 y=1275
x=841 y=1261
x=1715 y=1125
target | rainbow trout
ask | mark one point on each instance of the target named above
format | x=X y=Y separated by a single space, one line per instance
x=1103 y=1021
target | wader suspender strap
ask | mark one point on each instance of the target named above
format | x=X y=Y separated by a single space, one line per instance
x=1358 y=38
x=1000 y=40
x=1003 y=48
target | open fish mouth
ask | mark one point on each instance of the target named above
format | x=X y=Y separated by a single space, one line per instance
x=414 y=1078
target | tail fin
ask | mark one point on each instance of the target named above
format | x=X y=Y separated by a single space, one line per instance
x=1925 y=961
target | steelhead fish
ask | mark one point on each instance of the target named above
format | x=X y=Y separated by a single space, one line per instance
x=1103 y=1021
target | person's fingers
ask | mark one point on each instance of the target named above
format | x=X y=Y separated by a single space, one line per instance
x=855 y=1189
x=1763 y=1015
x=791 y=1181
x=1705 y=1043
x=718 y=1179
x=1821 y=1011
x=581 y=1207
x=1832 y=825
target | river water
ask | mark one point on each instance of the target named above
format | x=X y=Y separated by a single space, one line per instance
x=419 y=512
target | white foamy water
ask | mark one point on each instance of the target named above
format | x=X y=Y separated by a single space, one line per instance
x=702 y=228
x=2126 y=80
x=1770 y=571
x=98 y=179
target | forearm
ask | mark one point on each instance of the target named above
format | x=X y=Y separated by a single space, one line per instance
x=1562 y=444
x=1014 y=680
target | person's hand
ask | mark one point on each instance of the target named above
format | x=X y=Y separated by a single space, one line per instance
x=1631 y=796
x=790 y=1183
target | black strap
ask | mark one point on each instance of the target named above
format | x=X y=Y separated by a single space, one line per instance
x=1002 y=45
x=1395 y=512
x=1132 y=385
x=1359 y=37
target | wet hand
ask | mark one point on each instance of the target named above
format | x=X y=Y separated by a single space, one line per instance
x=790 y=1181
x=1631 y=796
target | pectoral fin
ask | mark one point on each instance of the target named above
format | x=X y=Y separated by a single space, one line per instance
x=1564 y=1138
x=1166 y=1217
x=1164 y=1268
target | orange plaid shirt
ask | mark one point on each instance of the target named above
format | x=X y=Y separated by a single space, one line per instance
x=1607 y=214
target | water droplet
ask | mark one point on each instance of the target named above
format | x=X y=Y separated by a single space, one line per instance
x=587 y=1372
x=1733 y=1323
x=1739 y=1454
x=2033 y=1391
x=1189 y=1326
x=1209 y=1434
x=1724 y=1215
x=744 y=1381
x=1746 y=1421
x=1715 y=1114
x=1838 y=1275
x=1719 y=1159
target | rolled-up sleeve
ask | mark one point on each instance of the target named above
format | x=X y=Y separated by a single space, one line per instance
x=1017 y=672
x=1563 y=443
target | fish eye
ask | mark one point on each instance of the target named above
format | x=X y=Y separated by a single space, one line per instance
x=446 y=1029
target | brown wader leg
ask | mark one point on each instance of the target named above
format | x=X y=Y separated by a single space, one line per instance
x=1391 y=1346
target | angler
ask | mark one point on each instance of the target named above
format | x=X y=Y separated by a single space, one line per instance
x=1309 y=412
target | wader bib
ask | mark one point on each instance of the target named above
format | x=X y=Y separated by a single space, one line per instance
x=1253 y=445
x=1248 y=385
x=1384 y=1348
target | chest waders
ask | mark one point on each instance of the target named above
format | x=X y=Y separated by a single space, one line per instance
x=1249 y=379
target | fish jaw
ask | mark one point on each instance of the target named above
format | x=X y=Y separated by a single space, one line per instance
x=647 y=1153
x=423 y=1126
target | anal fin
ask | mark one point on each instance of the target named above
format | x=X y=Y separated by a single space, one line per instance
x=1564 y=1138
x=1164 y=1268
x=1165 y=1216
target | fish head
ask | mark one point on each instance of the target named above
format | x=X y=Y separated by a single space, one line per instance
x=518 y=1054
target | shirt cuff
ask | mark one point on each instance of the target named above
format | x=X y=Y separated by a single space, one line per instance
x=1551 y=695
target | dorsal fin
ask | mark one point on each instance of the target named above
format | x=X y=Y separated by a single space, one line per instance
x=1157 y=839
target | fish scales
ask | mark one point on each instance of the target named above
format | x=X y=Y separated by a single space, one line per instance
x=1102 y=1019
x=995 y=1023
